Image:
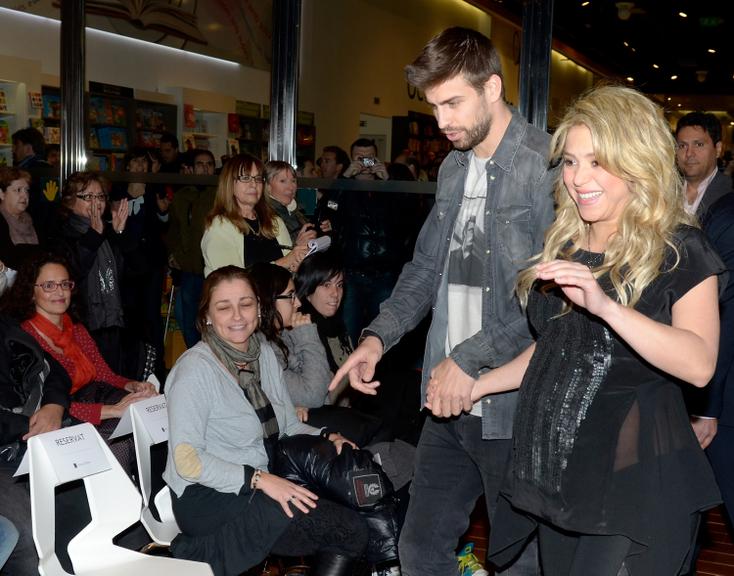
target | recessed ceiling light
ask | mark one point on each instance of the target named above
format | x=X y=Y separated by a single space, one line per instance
x=584 y=4
x=626 y=43
x=669 y=98
x=656 y=67
x=731 y=123
x=630 y=79
x=682 y=14
x=679 y=105
x=711 y=51
x=674 y=77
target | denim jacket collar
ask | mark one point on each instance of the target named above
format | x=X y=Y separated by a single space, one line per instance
x=504 y=156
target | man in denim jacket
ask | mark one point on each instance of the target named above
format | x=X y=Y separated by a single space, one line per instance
x=493 y=204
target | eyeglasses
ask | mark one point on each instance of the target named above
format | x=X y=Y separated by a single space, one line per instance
x=88 y=197
x=246 y=179
x=287 y=296
x=51 y=285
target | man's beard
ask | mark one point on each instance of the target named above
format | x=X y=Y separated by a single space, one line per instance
x=476 y=134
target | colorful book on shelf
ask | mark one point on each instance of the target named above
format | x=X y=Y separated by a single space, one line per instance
x=233 y=146
x=35 y=99
x=4 y=132
x=3 y=102
x=52 y=135
x=52 y=106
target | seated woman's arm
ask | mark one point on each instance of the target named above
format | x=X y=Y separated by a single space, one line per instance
x=189 y=394
x=307 y=375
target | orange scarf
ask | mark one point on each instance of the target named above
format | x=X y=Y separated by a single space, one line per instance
x=84 y=370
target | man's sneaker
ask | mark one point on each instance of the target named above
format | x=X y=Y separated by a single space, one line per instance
x=386 y=571
x=469 y=564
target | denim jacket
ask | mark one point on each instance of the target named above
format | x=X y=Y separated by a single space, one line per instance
x=519 y=208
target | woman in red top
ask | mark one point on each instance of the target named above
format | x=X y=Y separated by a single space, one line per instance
x=41 y=299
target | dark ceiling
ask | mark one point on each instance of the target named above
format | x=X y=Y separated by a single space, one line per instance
x=668 y=47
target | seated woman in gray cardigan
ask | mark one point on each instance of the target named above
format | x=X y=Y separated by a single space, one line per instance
x=228 y=407
x=300 y=351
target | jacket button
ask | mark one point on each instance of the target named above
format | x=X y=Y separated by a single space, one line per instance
x=489 y=251
x=486 y=289
x=491 y=177
x=488 y=400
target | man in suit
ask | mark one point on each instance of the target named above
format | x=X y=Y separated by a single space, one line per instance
x=709 y=196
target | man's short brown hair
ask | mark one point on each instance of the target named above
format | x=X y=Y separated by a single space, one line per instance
x=455 y=51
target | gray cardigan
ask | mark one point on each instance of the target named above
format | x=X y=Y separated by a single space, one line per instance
x=307 y=374
x=208 y=412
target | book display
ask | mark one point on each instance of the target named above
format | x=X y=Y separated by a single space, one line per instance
x=419 y=134
x=109 y=112
x=9 y=94
x=152 y=119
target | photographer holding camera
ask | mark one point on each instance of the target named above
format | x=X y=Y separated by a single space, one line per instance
x=365 y=163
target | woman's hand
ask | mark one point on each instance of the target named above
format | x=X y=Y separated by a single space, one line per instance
x=305 y=234
x=299 y=319
x=296 y=256
x=46 y=419
x=95 y=217
x=119 y=216
x=326 y=226
x=142 y=387
x=578 y=284
x=338 y=440
x=117 y=410
x=286 y=493
x=302 y=413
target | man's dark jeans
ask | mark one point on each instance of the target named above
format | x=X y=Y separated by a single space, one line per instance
x=454 y=466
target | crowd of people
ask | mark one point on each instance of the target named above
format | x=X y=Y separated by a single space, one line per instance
x=580 y=335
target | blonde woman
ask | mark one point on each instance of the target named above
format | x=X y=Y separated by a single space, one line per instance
x=241 y=228
x=623 y=301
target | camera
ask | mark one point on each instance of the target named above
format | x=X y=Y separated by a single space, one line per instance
x=367 y=161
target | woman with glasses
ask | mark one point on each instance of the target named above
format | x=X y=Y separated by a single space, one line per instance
x=93 y=247
x=242 y=229
x=298 y=346
x=41 y=299
x=280 y=188
x=18 y=237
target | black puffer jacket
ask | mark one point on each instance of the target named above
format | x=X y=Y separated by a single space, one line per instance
x=28 y=380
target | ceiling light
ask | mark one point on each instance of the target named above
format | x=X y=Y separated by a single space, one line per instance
x=584 y=4
x=682 y=14
x=626 y=43
x=711 y=51
x=679 y=105
x=731 y=123
x=630 y=79
x=656 y=67
x=674 y=77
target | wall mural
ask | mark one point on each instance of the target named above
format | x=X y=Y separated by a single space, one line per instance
x=238 y=30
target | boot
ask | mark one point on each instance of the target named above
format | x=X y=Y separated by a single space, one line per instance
x=330 y=564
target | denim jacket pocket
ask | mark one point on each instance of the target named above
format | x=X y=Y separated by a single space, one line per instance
x=514 y=234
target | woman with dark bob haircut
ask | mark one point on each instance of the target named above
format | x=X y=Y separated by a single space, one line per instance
x=228 y=408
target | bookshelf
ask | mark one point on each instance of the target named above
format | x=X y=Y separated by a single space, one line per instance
x=10 y=112
x=152 y=119
x=418 y=133
x=109 y=125
x=51 y=114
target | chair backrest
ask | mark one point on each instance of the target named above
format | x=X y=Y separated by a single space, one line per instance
x=69 y=454
x=149 y=420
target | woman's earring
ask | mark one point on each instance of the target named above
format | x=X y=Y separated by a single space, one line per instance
x=208 y=322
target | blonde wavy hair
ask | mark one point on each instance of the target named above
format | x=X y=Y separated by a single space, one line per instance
x=632 y=141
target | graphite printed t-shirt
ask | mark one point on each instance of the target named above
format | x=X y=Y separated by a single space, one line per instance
x=465 y=264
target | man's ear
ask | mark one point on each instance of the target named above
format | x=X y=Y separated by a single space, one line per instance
x=718 y=149
x=493 y=88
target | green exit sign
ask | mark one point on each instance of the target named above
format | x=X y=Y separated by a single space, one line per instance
x=710 y=21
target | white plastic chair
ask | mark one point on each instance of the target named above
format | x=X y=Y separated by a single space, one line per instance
x=162 y=531
x=114 y=504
